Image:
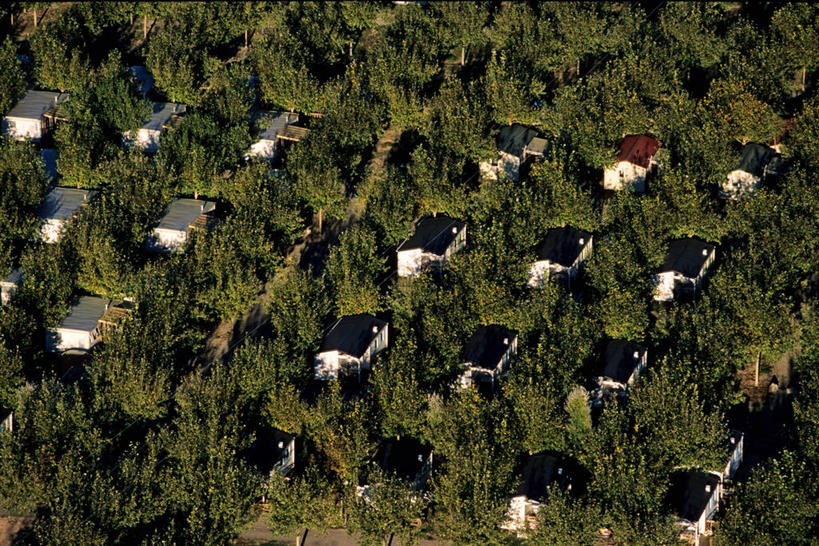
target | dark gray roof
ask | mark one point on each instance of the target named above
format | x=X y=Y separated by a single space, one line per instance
x=754 y=158
x=513 y=138
x=620 y=361
x=686 y=256
x=538 y=146
x=401 y=457
x=35 y=103
x=15 y=277
x=274 y=122
x=62 y=203
x=85 y=314
x=433 y=234
x=546 y=469
x=563 y=245
x=486 y=346
x=143 y=77
x=49 y=157
x=688 y=496
x=264 y=453
x=352 y=334
x=162 y=112
x=182 y=212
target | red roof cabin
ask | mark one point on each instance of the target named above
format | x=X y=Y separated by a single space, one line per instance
x=635 y=160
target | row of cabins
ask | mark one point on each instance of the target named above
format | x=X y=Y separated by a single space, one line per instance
x=37 y=113
x=638 y=157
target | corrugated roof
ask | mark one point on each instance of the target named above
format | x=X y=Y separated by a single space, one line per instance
x=182 y=212
x=433 y=234
x=276 y=122
x=486 y=346
x=542 y=470
x=638 y=149
x=85 y=314
x=49 y=157
x=620 y=360
x=35 y=103
x=686 y=256
x=513 y=138
x=563 y=245
x=755 y=157
x=352 y=334
x=62 y=203
x=688 y=496
x=162 y=112
x=143 y=77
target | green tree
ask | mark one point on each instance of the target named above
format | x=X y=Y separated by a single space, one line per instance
x=353 y=269
x=12 y=80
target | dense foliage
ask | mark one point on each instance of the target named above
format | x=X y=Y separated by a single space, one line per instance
x=149 y=442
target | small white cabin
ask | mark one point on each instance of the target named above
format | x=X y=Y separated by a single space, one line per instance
x=487 y=355
x=59 y=206
x=79 y=331
x=275 y=123
x=28 y=118
x=560 y=256
x=177 y=220
x=686 y=263
x=747 y=177
x=434 y=240
x=623 y=364
x=350 y=346
x=9 y=285
x=516 y=145
x=634 y=161
x=147 y=137
x=694 y=497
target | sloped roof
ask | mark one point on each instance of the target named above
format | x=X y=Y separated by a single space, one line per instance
x=688 y=496
x=620 y=360
x=15 y=277
x=513 y=138
x=486 y=346
x=563 y=245
x=277 y=122
x=161 y=113
x=686 y=256
x=35 y=103
x=638 y=149
x=352 y=334
x=404 y=458
x=755 y=157
x=62 y=203
x=433 y=234
x=542 y=470
x=182 y=212
x=85 y=314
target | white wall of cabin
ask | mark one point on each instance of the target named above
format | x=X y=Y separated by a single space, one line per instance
x=64 y=339
x=624 y=175
x=24 y=128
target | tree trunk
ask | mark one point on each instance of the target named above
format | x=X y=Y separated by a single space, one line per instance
x=245 y=38
x=144 y=27
x=12 y=19
x=131 y=19
x=463 y=55
x=351 y=50
x=320 y=220
x=756 y=370
x=35 y=17
x=804 y=77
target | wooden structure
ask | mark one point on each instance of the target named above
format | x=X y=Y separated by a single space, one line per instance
x=293 y=133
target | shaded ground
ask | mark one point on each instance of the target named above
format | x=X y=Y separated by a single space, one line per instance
x=259 y=534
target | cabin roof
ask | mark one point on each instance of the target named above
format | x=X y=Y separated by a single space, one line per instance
x=161 y=113
x=35 y=103
x=181 y=213
x=275 y=122
x=755 y=157
x=686 y=256
x=62 y=203
x=404 y=458
x=352 y=334
x=620 y=360
x=688 y=496
x=486 y=346
x=512 y=139
x=542 y=470
x=638 y=149
x=563 y=245
x=433 y=234
x=85 y=314
x=15 y=277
